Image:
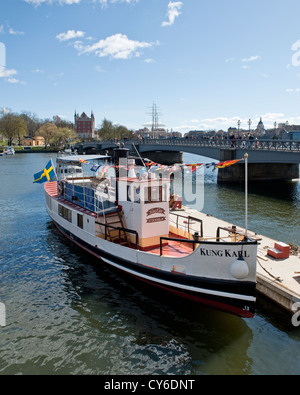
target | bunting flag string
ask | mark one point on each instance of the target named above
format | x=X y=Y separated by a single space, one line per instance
x=221 y=165
x=151 y=167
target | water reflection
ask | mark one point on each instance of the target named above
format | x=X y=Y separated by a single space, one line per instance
x=142 y=330
x=68 y=314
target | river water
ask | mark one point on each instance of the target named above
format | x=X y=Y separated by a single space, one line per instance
x=68 y=314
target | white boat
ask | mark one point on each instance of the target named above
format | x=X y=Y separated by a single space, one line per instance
x=124 y=218
x=10 y=151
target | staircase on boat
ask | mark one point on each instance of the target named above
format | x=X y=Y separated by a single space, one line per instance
x=114 y=229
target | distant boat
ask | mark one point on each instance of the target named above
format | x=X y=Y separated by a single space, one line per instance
x=126 y=221
x=10 y=151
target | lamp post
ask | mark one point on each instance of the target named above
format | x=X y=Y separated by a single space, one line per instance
x=246 y=194
x=239 y=124
x=249 y=123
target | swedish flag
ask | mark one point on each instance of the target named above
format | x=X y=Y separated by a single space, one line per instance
x=46 y=174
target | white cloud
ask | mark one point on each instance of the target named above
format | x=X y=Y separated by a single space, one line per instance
x=117 y=46
x=8 y=74
x=99 y=69
x=149 y=60
x=15 y=32
x=37 y=3
x=15 y=81
x=5 y=110
x=229 y=60
x=69 y=35
x=292 y=90
x=173 y=12
x=105 y=3
x=11 y=31
x=38 y=71
x=251 y=59
x=222 y=122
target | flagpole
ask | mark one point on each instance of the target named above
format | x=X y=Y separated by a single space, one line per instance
x=246 y=194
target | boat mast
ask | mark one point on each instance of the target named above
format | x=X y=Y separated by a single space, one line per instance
x=246 y=194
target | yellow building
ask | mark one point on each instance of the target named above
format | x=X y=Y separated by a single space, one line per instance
x=33 y=141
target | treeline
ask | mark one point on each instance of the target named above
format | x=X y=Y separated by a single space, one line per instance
x=14 y=127
x=56 y=132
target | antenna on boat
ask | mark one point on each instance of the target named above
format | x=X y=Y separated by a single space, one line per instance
x=139 y=155
x=246 y=194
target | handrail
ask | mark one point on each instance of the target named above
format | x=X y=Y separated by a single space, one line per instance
x=189 y=217
x=120 y=230
x=241 y=143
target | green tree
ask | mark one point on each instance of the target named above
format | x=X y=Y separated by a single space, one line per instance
x=62 y=136
x=123 y=132
x=13 y=127
x=32 y=122
x=48 y=130
x=109 y=131
x=60 y=123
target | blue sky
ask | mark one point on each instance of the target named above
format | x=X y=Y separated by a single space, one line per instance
x=204 y=63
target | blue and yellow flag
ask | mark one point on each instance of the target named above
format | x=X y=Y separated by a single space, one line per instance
x=46 y=174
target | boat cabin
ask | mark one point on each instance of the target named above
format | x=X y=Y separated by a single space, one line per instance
x=145 y=206
x=139 y=199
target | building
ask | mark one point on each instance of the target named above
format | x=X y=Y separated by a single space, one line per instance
x=260 y=127
x=195 y=134
x=33 y=141
x=84 y=125
x=294 y=135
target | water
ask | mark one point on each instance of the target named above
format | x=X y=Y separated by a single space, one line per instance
x=68 y=314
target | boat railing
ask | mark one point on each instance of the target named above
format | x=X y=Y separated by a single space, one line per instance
x=189 y=223
x=120 y=230
x=235 y=234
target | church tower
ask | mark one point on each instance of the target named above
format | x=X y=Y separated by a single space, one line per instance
x=260 y=127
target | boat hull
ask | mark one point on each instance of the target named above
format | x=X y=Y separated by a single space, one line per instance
x=234 y=297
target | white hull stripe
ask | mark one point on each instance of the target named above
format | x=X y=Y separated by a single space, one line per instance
x=184 y=287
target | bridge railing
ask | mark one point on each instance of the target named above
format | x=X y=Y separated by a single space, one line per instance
x=244 y=144
x=259 y=144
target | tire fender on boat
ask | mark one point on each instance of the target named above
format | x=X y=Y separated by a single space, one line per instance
x=60 y=188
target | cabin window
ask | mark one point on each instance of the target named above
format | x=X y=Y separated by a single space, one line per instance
x=80 y=221
x=137 y=194
x=65 y=213
x=153 y=194
x=128 y=193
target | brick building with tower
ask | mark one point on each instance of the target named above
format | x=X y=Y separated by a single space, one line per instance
x=84 y=125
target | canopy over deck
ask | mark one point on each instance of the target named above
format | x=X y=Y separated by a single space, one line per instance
x=77 y=159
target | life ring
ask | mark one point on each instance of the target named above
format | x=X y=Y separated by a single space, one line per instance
x=60 y=188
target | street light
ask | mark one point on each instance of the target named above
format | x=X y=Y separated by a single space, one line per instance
x=239 y=124
x=249 y=123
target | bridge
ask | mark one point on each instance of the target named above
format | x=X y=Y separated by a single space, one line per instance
x=268 y=159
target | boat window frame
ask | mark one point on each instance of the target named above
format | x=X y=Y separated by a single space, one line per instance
x=149 y=194
x=80 y=220
x=65 y=213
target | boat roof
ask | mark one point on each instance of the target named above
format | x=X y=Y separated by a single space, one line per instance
x=75 y=159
